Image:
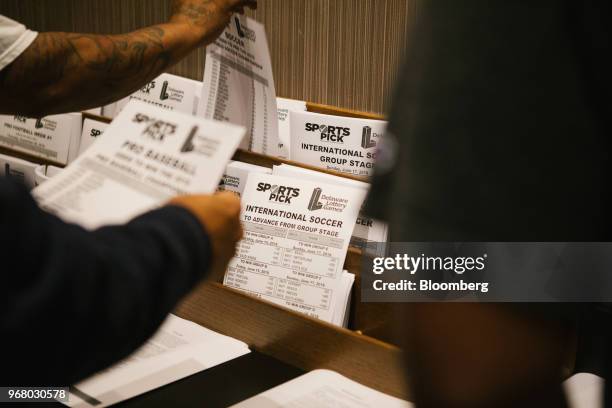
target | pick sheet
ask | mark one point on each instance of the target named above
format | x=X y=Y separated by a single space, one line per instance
x=147 y=156
x=239 y=86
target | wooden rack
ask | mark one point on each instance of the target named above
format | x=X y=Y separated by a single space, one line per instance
x=363 y=352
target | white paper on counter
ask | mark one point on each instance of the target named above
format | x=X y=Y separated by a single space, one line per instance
x=343 y=144
x=147 y=156
x=54 y=138
x=238 y=85
x=322 y=389
x=167 y=91
x=179 y=348
x=296 y=236
x=284 y=106
x=92 y=129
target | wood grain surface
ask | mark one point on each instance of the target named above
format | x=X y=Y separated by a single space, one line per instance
x=336 y=52
x=296 y=339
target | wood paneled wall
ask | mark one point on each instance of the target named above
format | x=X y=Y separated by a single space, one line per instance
x=338 y=52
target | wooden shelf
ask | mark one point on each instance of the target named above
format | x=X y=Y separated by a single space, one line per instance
x=295 y=338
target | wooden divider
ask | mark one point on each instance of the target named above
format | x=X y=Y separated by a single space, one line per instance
x=25 y=156
x=334 y=110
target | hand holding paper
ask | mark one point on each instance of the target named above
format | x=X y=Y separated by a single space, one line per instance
x=207 y=18
x=220 y=216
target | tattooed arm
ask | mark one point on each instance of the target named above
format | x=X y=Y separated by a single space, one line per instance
x=66 y=72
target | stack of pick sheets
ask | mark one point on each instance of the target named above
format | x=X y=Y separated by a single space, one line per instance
x=297 y=233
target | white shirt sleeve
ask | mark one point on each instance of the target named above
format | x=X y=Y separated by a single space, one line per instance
x=14 y=39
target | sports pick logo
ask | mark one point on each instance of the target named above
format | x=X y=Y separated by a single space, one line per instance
x=314 y=203
x=278 y=193
x=333 y=134
x=164 y=91
x=244 y=32
x=147 y=88
x=366 y=138
x=155 y=129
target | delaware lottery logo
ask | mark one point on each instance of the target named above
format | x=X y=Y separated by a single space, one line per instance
x=314 y=203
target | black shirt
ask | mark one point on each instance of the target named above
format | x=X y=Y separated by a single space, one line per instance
x=74 y=301
x=500 y=130
x=501 y=118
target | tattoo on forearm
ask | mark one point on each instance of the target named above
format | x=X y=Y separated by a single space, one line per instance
x=118 y=57
x=67 y=71
x=199 y=14
x=116 y=62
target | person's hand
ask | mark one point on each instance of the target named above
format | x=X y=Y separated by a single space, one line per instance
x=220 y=216
x=207 y=18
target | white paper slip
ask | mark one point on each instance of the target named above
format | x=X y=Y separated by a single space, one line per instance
x=108 y=111
x=166 y=91
x=147 y=156
x=322 y=389
x=236 y=174
x=369 y=234
x=584 y=390
x=342 y=306
x=347 y=145
x=18 y=169
x=95 y=111
x=54 y=138
x=284 y=106
x=197 y=96
x=296 y=237
x=44 y=173
x=179 y=348
x=91 y=130
x=239 y=87
x=288 y=170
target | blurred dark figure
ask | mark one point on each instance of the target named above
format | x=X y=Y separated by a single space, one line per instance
x=500 y=131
